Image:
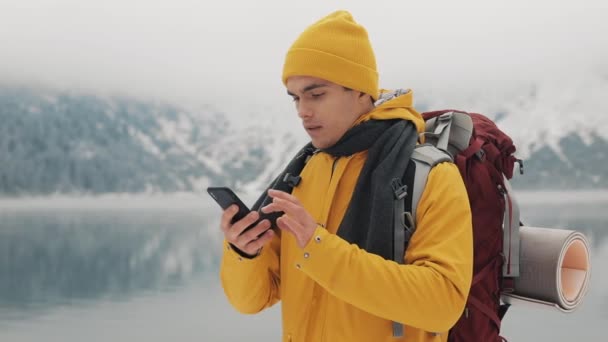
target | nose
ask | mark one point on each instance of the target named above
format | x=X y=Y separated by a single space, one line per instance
x=304 y=111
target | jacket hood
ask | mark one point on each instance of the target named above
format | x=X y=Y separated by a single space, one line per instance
x=396 y=104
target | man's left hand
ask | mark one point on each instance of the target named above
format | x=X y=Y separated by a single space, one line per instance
x=296 y=219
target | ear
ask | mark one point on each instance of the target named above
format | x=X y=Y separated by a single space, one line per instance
x=363 y=98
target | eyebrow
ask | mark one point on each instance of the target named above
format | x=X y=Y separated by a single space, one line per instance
x=308 y=88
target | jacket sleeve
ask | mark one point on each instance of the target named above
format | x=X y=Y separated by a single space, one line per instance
x=428 y=292
x=251 y=285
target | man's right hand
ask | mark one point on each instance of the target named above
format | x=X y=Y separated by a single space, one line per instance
x=249 y=243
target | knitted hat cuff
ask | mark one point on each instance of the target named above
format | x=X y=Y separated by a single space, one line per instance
x=316 y=63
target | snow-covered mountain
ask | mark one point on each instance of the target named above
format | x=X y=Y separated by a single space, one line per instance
x=58 y=142
x=66 y=142
x=559 y=126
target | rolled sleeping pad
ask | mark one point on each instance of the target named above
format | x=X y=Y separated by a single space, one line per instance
x=554 y=269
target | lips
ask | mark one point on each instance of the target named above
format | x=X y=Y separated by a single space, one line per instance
x=312 y=128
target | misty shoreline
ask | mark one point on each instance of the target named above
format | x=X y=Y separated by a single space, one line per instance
x=191 y=200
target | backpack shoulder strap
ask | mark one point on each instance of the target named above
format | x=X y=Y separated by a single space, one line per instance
x=450 y=132
x=446 y=135
x=425 y=158
x=407 y=196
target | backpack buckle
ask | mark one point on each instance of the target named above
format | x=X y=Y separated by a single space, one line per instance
x=445 y=116
x=521 y=166
x=399 y=190
x=408 y=221
x=292 y=181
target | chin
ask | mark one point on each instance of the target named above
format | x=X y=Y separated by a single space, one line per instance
x=321 y=144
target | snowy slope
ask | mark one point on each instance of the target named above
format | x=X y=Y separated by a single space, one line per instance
x=541 y=113
x=560 y=127
x=64 y=142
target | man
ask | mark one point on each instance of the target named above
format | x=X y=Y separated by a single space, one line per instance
x=329 y=260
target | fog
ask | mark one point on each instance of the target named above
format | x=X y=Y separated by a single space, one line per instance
x=219 y=52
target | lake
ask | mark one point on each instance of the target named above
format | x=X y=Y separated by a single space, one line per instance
x=128 y=268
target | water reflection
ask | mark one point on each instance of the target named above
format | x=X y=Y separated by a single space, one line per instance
x=582 y=214
x=151 y=274
x=50 y=258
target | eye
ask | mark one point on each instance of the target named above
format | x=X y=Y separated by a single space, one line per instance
x=316 y=96
x=295 y=99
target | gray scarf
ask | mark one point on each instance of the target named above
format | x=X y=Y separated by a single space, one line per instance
x=368 y=221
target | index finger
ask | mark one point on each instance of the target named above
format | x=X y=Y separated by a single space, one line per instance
x=283 y=195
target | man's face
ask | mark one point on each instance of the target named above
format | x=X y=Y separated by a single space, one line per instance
x=327 y=109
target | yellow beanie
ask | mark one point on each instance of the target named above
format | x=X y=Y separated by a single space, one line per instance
x=336 y=49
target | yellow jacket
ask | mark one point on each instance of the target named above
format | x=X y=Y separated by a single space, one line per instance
x=339 y=292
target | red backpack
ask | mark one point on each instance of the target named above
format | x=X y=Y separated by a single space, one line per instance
x=484 y=156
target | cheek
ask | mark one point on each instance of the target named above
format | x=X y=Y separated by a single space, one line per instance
x=341 y=120
x=334 y=114
x=345 y=113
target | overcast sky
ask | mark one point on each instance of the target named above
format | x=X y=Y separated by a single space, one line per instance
x=213 y=51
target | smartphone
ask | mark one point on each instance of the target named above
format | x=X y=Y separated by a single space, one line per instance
x=225 y=197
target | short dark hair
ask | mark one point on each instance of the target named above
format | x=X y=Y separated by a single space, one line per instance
x=349 y=89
